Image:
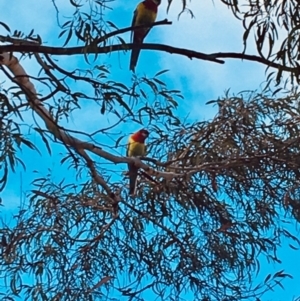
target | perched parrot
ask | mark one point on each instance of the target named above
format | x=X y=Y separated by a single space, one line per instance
x=135 y=148
x=145 y=14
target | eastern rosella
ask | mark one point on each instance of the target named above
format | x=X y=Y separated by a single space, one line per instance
x=145 y=14
x=136 y=148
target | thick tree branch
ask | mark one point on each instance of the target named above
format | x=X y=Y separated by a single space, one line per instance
x=19 y=45
x=191 y=54
x=108 y=49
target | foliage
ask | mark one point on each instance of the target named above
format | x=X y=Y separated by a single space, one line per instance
x=274 y=27
x=220 y=199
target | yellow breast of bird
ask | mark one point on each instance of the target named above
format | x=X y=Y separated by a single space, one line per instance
x=144 y=15
x=135 y=148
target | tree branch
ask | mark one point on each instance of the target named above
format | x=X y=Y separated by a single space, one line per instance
x=253 y=58
x=126 y=29
x=191 y=54
x=108 y=49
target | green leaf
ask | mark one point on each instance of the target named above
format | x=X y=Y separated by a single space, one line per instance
x=62 y=33
x=68 y=37
x=112 y=25
x=102 y=111
x=5 y=26
x=28 y=143
x=75 y=4
x=211 y=101
x=122 y=41
x=66 y=23
x=161 y=72
x=41 y=132
x=267 y=278
x=159 y=82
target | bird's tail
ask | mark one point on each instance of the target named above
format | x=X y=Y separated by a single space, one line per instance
x=134 y=58
x=133 y=173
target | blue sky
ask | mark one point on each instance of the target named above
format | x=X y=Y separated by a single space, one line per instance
x=213 y=29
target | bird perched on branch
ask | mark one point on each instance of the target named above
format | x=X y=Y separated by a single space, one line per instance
x=145 y=14
x=135 y=148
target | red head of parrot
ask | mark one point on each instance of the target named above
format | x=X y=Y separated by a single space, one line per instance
x=140 y=136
